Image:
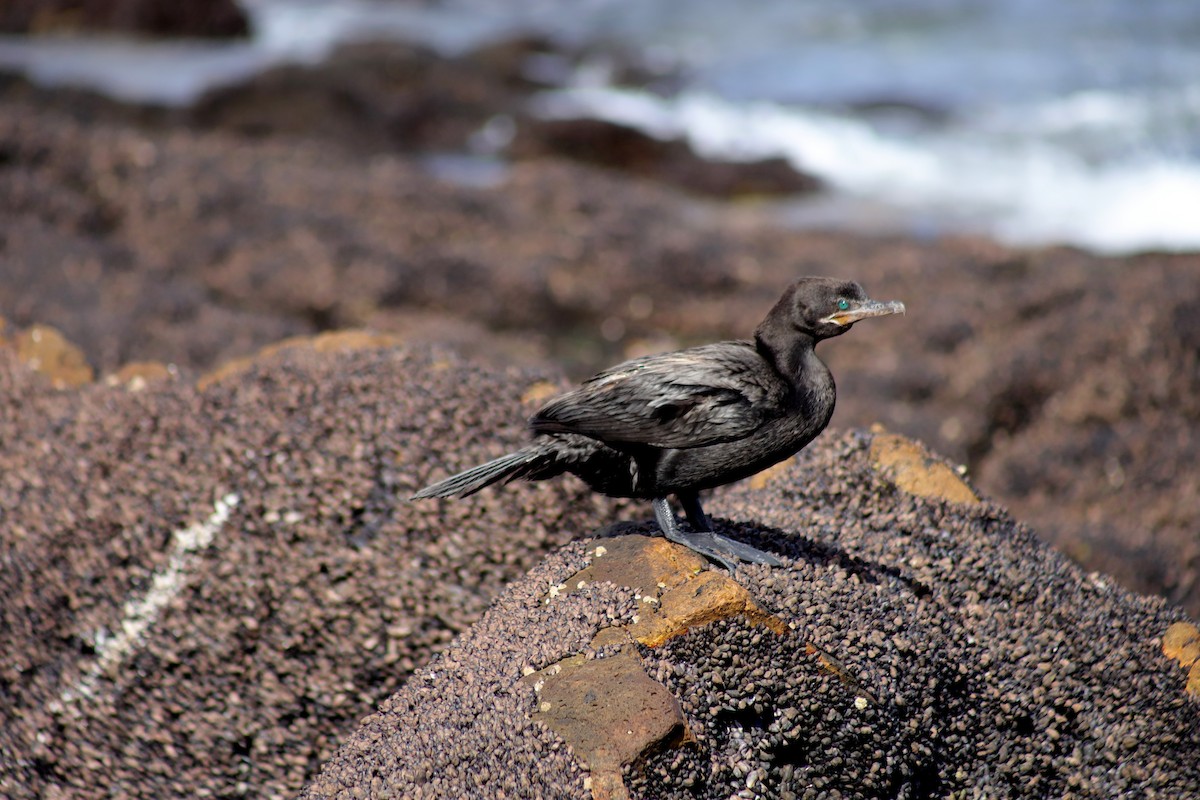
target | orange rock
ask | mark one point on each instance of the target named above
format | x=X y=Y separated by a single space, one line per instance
x=761 y=480
x=1182 y=643
x=707 y=597
x=915 y=471
x=610 y=712
x=537 y=392
x=677 y=593
x=321 y=343
x=135 y=375
x=639 y=562
x=45 y=350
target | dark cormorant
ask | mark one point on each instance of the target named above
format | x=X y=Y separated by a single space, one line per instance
x=679 y=423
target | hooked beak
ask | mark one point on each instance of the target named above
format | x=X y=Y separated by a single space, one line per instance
x=867 y=308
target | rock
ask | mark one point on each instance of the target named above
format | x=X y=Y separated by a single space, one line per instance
x=616 y=146
x=1066 y=383
x=610 y=712
x=206 y=590
x=678 y=594
x=46 y=351
x=206 y=18
x=915 y=471
x=376 y=97
x=331 y=342
x=388 y=97
x=203 y=590
x=923 y=648
x=137 y=375
x=1182 y=643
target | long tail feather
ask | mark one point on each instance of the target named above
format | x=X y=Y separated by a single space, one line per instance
x=506 y=468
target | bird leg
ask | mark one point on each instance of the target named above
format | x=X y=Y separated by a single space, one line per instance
x=695 y=514
x=725 y=551
x=693 y=541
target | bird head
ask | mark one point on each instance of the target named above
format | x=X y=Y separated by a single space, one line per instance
x=827 y=307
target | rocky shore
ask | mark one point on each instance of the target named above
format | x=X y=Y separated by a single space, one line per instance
x=1066 y=382
x=206 y=589
x=162 y=246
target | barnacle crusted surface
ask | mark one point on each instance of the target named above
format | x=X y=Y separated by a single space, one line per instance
x=462 y=727
x=934 y=650
x=318 y=594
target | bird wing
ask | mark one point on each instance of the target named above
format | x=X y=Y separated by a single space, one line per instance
x=690 y=398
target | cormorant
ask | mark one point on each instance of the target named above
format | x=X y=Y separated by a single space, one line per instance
x=679 y=423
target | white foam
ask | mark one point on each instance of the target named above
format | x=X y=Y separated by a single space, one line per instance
x=1029 y=191
x=1119 y=210
x=1084 y=110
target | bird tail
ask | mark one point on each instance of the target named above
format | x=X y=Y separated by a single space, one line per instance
x=520 y=464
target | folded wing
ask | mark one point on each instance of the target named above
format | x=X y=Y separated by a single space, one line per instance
x=691 y=398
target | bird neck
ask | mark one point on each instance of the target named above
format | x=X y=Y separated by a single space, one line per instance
x=790 y=353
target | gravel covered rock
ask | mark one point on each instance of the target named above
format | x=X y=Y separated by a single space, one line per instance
x=201 y=592
x=1064 y=381
x=911 y=647
x=205 y=589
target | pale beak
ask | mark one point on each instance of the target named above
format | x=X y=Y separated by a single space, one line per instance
x=867 y=308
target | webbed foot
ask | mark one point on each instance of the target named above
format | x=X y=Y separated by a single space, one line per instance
x=725 y=551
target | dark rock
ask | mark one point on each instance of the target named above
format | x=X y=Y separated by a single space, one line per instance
x=375 y=97
x=616 y=146
x=395 y=97
x=922 y=648
x=203 y=592
x=1065 y=382
x=200 y=18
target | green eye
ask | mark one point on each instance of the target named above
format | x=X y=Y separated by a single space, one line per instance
x=843 y=304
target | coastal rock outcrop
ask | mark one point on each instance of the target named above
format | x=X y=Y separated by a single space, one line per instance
x=912 y=646
x=206 y=589
x=1064 y=381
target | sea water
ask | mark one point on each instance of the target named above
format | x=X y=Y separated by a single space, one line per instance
x=1074 y=122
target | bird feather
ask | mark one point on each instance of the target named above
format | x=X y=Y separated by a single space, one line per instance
x=690 y=398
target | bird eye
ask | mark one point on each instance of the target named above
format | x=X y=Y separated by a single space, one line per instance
x=843 y=304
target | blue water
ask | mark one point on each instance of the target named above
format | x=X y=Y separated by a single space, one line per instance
x=1075 y=121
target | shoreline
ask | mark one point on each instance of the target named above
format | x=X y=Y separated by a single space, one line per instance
x=1061 y=379
x=276 y=323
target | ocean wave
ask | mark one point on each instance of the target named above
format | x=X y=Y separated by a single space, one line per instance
x=1031 y=191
